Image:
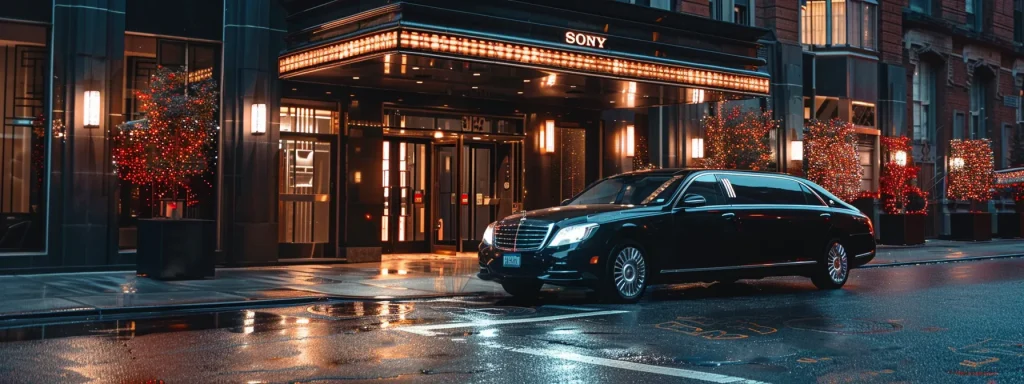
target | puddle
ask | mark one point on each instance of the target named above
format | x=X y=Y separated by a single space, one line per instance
x=359 y=309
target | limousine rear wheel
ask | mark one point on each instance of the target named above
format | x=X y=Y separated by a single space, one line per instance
x=627 y=274
x=834 y=270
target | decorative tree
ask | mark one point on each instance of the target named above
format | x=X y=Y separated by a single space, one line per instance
x=739 y=140
x=970 y=170
x=830 y=153
x=896 y=185
x=173 y=143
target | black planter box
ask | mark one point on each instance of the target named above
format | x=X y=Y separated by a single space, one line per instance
x=176 y=249
x=1011 y=225
x=970 y=226
x=901 y=229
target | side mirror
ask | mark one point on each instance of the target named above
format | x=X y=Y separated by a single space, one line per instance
x=565 y=202
x=692 y=200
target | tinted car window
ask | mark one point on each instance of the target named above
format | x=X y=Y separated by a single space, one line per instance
x=605 y=192
x=810 y=197
x=765 y=190
x=707 y=186
x=634 y=190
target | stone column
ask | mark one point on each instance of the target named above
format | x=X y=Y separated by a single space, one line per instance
x=88 y=55
x=254 y=33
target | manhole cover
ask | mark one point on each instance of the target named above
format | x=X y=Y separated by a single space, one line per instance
x=359 y=309
x=844 y=326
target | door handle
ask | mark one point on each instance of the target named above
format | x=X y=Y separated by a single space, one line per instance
x=825 y=215
x=729 y=215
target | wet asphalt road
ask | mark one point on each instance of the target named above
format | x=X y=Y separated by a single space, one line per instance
x=953 y=323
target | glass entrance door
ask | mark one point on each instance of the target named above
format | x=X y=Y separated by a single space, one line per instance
x=405 y=223
x=478 y=200
x=447 y=197
x=305 y=204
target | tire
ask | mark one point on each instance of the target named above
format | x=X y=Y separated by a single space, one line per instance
x=626 y=277
x=523 y=289
x=834 y=268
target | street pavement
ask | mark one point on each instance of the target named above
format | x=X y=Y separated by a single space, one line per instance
x=938 y=323
x=101 y=294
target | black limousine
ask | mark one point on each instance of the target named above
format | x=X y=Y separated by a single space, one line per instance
x=626 y=232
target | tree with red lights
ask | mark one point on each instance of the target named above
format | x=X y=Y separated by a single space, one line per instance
x=897 y=190
x=739 y=140
x=174 y=142
x=830 y=153
x=970 y=170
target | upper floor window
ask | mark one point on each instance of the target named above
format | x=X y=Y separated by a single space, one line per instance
x=660 y=4
x=1018 y=21
x=924 y=88
x=852 y=23
x=973 y=8
x=921 y=6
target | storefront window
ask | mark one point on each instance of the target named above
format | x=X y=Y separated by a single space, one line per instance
x=862 y=114
x=23 y=136
x=839 y=22
x=431 y=120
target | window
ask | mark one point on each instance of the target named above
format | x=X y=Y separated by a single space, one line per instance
x=979 y=120
x=839 y=22
x=810 y=197
x=643 y=190
x=921 y=6
x=713 y=7
x=741 y=12
x=863 y=114
x=924 y=87
x=826 y=108
x=660 y=4
x=708 y=187
x=973 y=8
x=765 y=190
x=1018 y=21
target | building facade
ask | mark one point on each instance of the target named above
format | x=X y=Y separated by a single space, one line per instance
x=349 y=129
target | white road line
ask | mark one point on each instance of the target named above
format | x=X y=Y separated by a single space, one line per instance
x=426 y=330
x=566 y=307
x=667 y=371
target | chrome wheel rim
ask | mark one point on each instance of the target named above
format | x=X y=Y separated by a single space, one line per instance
x=630 y=272
x=837 y=263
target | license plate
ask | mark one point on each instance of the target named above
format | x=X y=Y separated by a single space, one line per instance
x=510 y=260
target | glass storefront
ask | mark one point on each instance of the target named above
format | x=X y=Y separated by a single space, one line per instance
x=23 y=136
x=305 y=196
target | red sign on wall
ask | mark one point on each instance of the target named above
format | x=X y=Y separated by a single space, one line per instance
x=417 y=197
x=464 y=199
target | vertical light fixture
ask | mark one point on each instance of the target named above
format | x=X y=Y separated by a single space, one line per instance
x=549 y=138
x=92 y=109
x=550 y=80
x=796 y=150
x=697 y=148
x=630 y=140
x=258 y=125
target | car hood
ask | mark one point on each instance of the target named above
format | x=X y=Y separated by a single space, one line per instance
x=575 y=212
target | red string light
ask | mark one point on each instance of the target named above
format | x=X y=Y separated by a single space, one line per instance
x=896 y=184
x=973 y=179
x=830 y=151
x=739 y=140
x=175 y=141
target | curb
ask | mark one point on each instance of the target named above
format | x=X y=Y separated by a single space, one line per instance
x=103 y=313
x=942 y=261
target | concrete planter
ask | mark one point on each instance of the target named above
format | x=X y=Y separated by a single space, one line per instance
x=901 y=229
x=179 y=249
x=970 y=226
x=1010 y=225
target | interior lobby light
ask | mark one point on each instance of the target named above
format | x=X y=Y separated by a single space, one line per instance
x=697 y=148
x=796 y=150
x=630 y=140
x=438 y=135
x=258 y=125
x=92 y=109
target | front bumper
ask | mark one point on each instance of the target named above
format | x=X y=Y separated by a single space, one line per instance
x=565 y=266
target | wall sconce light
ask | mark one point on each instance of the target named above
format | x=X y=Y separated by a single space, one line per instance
x=92 y=109
x=258 y=126
x=796 y=150
x=900 y=157
x=697 y=148
x=956 y=163
x=547 y=136
x=630 y=140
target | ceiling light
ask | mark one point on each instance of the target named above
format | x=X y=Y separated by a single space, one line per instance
x=295 y=89
x=572 y=86
x=475 y=87
x=355 y=77
x=520 y=92
x=419 y=82
x=415 y=68
x=476 y=74
x=328 y=92
x=526 y=81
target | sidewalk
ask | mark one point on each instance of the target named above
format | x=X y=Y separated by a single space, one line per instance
x=397 y=277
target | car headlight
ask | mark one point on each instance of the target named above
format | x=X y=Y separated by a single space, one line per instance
x=573 y=234
x=488 y=237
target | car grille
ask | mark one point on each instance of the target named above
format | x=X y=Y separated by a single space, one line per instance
x=521 y=235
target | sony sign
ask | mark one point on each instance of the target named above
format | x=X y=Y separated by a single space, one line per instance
x=584 y=40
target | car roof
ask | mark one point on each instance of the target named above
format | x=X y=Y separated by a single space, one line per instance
x=682 y=171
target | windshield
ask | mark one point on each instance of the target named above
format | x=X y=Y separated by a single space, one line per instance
x=630 y=190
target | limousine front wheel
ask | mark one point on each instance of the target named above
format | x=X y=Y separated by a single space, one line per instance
x=628 y=274
x=834 y=269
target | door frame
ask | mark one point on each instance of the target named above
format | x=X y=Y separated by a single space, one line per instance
x=393 y=245
x=289 y=250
